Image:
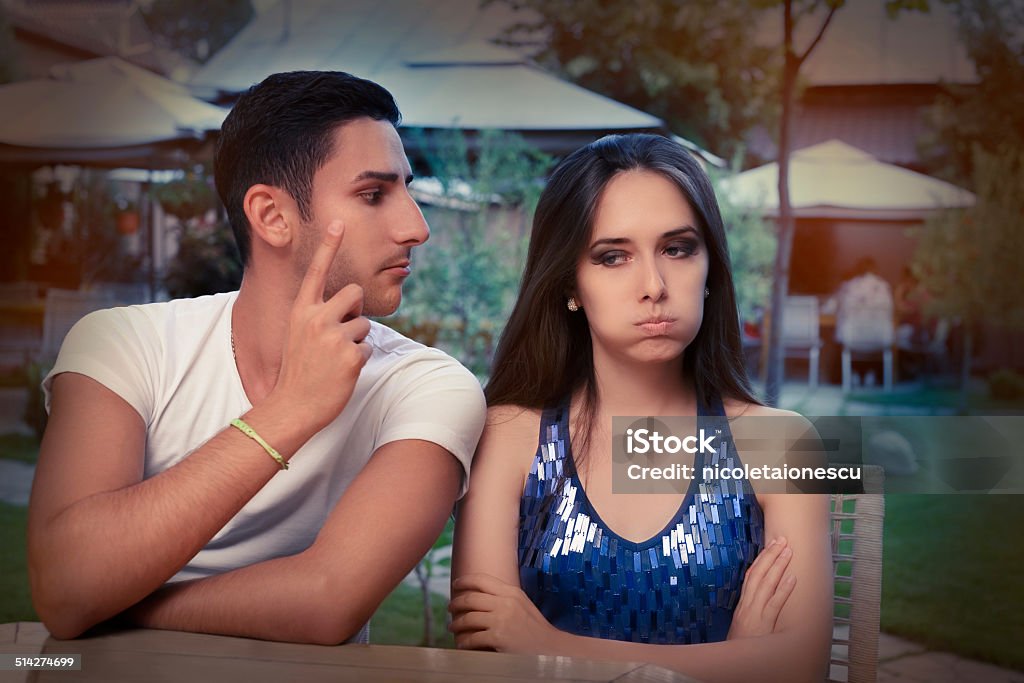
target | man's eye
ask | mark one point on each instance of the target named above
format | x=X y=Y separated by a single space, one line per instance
x=371 y=196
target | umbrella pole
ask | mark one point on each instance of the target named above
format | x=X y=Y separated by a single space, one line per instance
x=148 y=217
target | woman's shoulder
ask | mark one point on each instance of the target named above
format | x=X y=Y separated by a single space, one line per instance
x=739 y=408
x=509 y=442
x=511 y=427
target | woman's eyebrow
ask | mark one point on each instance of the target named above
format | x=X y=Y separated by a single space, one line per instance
x=611 y=240
x=681 y=231
x=625 y=240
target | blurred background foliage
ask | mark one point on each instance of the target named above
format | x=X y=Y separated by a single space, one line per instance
x=480 y=206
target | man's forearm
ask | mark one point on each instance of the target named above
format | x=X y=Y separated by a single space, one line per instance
x=281 y=599
x=127 y=542
x=326 y=593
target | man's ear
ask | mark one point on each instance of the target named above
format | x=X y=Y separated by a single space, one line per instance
x=272 y=213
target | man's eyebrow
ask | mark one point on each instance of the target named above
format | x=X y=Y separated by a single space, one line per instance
x=382 y=176
x=376 y=175
x=666 y=235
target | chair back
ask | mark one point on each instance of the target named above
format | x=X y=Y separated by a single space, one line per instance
x=64 y=307
x=857 y=563
x=868 y=329
x=800 y=322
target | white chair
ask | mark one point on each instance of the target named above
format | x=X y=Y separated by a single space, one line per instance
x=801 y=332
x=64 y=307
x=866 y=332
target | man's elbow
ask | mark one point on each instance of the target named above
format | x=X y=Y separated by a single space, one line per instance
x=333 y=616
x=64 y=614
x=61 y=619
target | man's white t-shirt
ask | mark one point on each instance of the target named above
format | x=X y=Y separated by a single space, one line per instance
x=172 y=362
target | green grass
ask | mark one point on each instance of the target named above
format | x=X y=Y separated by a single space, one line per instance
x=399 y=621
x=15 y=604
x=952 y=574
x=978 y=402
x=20 y=447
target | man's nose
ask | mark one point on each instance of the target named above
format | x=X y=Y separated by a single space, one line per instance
x=412 y=227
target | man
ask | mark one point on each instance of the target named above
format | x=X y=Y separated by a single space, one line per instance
x=152 y=502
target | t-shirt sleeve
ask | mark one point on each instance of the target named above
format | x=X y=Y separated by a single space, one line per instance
x=436 y=400
x=110 y=346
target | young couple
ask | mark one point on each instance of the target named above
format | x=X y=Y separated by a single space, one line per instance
x=160 y=472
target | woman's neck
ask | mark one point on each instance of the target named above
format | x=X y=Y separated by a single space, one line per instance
x=642 y=388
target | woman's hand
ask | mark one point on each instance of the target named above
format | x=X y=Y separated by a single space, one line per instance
x=766 y=587
x=489 y=614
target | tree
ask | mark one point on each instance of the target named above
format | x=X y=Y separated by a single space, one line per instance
x=465 y=280
x=969 y=261
x=793 y=11
x=8 y=59
x=197 y=28
x=752 y=244
x=207 y=260
x=990 y=113
x=692 y=64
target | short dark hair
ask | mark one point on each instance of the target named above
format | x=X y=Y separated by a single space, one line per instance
x=280 y=132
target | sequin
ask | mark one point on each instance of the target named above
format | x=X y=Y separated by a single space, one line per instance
x=680 y=586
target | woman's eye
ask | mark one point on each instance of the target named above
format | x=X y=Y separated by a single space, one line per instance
x=680 y=249
x=611 y=258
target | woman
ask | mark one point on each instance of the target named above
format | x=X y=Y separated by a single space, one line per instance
x=627 y=307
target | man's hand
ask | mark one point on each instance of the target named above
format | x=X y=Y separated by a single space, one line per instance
x=325 y=351
x=766 y=587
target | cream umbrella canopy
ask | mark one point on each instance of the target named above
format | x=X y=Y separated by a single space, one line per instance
x=835 y=180
x=101 y=112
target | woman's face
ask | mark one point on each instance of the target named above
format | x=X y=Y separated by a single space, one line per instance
x=641 y=277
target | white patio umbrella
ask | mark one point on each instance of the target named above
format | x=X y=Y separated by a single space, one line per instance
x=835 y=180
x=96 y=111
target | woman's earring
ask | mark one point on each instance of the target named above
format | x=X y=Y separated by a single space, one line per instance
x=707 y=292
x=572 y=305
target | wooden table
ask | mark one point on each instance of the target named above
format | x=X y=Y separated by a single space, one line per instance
x=171 y=656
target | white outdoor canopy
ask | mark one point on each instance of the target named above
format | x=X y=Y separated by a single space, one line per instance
x=438 y=58
x=836 y=180
x=101 y=103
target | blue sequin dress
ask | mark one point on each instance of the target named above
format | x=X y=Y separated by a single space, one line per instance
x=678 y=587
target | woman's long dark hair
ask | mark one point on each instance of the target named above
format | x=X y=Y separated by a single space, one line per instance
x=545 y=352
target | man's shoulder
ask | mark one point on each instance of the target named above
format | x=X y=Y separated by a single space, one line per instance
x=391 y=348
x=408 y=370
x=159 y=313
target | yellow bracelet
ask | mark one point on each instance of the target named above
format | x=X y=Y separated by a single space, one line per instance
x=251 y=433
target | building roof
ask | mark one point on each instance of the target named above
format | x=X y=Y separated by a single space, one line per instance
x=885 y=121
x=864 y=46
x=100 y=28
x=437 y=57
